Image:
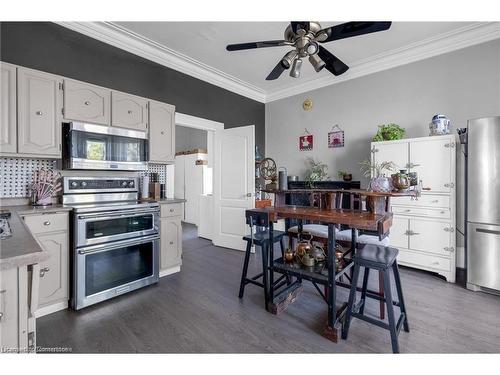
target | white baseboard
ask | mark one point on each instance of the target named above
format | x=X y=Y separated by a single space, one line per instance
x=170 y=271
x=46 y=310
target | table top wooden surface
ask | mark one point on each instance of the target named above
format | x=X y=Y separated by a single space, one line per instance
x=354 y=219
x=409 y=193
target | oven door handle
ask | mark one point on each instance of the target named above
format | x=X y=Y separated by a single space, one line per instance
x=121 y=214
x=117 y=245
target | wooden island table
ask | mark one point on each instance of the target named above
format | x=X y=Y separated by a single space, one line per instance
x=325 y=275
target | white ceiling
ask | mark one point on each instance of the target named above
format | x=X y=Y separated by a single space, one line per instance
x=198 y=48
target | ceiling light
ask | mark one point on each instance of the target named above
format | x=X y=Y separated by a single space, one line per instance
x=316 y=62
x=288 y=59
x=295 y=71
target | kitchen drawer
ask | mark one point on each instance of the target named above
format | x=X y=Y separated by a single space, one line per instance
x=38 y=224
x=426 y=212
x=425 y=200
x=171 y=209
x=412 y=258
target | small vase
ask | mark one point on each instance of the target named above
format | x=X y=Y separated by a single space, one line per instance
x=381 y=184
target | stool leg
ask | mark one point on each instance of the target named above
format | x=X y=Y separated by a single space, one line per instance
x=282 y=246
x=245 y=269
x=390 y=311
x=352 y=295
x=265 y=269
x=397 y=278
x=363 y=290
x=381 y=294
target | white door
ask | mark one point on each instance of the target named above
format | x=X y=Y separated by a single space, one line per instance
x=397 y=152
x=431 y=159
x=234 y=184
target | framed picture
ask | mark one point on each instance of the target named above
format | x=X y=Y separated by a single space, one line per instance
x=306 y=142
x=336 y=137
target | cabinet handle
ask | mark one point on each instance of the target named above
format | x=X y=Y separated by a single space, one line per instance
x=435 y=263
x=435 y=201
x=411 y=165
x=450 y=185
x=87 y=102
x=1 y=316
x=411 y=233
x=39 y=113
x=374 y=150
x=46 y=223
x=449 y=229
x=43 y=271
x=450 y=249
x=129 y=112
x=171 y=242
x=447 y=145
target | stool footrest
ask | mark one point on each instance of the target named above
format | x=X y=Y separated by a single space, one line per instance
x=250 y=281
x=371 y=320
x=257 y=276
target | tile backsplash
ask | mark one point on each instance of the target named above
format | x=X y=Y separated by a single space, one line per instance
x=16 y=174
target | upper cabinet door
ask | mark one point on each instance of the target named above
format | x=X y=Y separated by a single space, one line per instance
x=397 y=152
x=39 y=113
x=86 y=103
x=432 y=160
x=129 y=111
x=161 y=132
x=8 y=116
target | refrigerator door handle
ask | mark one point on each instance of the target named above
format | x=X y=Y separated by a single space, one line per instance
x=482 y=230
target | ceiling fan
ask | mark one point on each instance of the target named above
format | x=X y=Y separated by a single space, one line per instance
x=306 y=38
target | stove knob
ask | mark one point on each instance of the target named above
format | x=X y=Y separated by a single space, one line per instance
x=74 y=184
x=124 y=183
x=131 y=184
x=83 y=184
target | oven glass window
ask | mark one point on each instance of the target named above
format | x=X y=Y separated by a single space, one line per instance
x=110 y=269
x=116 y=226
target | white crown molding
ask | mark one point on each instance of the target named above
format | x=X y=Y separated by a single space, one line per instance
x=112 y=34
x=116 y=36
x=454 y=40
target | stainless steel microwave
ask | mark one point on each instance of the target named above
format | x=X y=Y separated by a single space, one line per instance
x=89 y=146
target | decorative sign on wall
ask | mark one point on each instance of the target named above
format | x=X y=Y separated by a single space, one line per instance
x=306 y=141
x=336 y=137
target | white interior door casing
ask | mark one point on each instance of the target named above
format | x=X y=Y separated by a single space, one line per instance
x=234 y=184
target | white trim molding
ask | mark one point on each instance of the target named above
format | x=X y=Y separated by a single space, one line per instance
x=197 y=122
x=108 y=32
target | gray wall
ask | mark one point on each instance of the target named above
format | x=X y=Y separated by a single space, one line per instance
x=52 y=48
x=463 y=84
x=189 y=138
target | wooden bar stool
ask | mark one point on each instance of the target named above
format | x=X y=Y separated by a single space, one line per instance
x=382 y=259
x=260 y=221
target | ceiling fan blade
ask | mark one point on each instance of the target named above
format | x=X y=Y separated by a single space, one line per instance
x=265 y=43
x=350 y=29
x=333 y=64
x=296 y=25
x=276 y=72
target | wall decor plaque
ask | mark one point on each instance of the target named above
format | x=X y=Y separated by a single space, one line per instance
x=306 y=141
x=336 y=137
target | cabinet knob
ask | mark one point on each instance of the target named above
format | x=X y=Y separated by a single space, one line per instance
x=171 y=242
x=129 y=112
x=162 y=132
x=39 y=113
x=46 y=223
x=450 y=185
x=43 y=271
x=87 y=102
x=1 y=316
x=172 y=210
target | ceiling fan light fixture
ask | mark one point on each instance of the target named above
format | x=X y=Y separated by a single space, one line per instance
x=295 y=71
x=288 y=59
x=312 y=48
x=317 y=62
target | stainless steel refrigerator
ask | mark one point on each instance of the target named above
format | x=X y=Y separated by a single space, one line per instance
x=483 y=203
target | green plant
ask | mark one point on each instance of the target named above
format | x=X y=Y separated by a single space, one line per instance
x=317 y=171
x=389 y=132
x=374 y=170
x=342 y=173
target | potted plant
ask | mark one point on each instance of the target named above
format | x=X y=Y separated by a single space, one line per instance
x=389 y=132
x=317 y=172
x=346 y=176
x=375 y=171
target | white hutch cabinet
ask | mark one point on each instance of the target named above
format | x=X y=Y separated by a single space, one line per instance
x=424 y=228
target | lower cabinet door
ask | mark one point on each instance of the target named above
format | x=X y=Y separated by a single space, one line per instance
x=9 y=307
x=431 y=236
x=171 y=242
x=398 y=234
x=54 y=280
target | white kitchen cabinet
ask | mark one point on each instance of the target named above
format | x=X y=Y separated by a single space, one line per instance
x=431 y=159
x=14 y=309
x=161 y=132
x=8 y=115
x=51 y=232
x=129 y=111
x=86 y=103
x=171 y=239
x=38 y=113
x=424 y=229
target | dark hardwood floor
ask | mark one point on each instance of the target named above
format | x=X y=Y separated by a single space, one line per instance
x=198 y=311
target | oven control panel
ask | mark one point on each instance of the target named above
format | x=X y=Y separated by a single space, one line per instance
x=76 y=184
